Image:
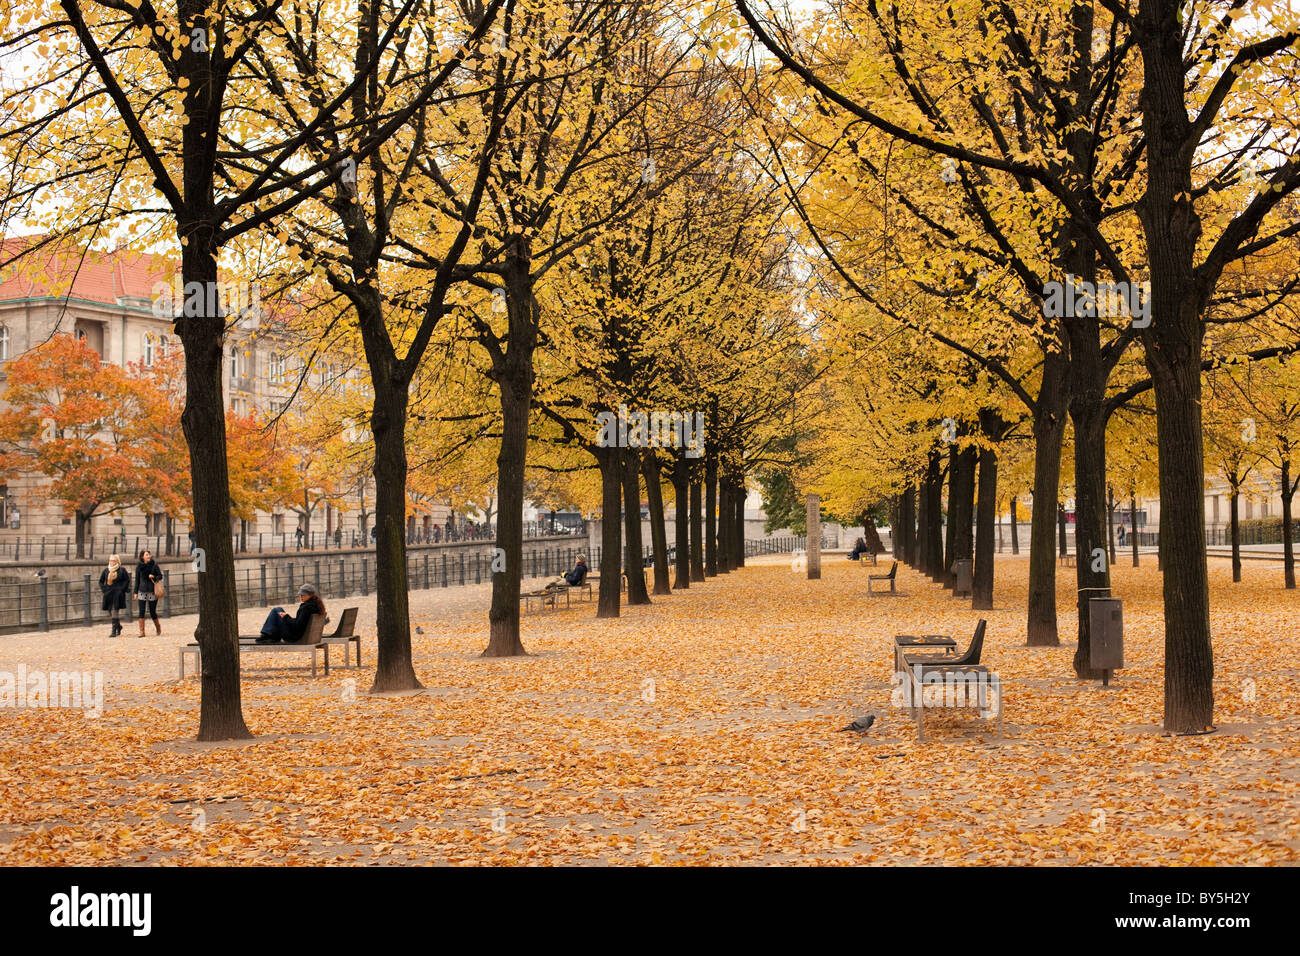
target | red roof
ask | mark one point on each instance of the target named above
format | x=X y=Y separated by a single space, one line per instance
x=62 y=269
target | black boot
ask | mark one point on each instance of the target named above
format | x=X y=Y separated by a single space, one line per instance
x=117 y=628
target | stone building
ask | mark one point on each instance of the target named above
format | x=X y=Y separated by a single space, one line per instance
x=121 y=305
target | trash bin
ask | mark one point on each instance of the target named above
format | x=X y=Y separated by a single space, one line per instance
x=1106 y=635
x=961 y=571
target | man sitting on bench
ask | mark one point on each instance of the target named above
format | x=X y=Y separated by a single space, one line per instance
x=859 y=549
x=280 y=628
x=569 y=579
x=579 y=572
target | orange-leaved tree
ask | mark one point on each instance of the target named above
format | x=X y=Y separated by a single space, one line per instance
x=82 y=423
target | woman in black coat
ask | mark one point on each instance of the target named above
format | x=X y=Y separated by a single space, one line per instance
x=147 y=575
x=115 y=582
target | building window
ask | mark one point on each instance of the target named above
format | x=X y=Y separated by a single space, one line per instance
x=152 y=349
x=4 y=343
x=277 y=524
x=276 y=369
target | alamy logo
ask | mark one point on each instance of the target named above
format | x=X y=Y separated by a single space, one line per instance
x=199 y=299
x=75 y=909
x=651 y=430
x=75 y=690
x=1078 y=297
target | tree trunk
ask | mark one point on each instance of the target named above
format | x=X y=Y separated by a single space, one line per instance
x=1133 y=521
x=221 y=714
x=514 y=374
x=611 y=532
x=724 y=525
x=961 y=511
x=1234 y=498
x=682 y=565
x=934 y=516
x=1173 y=342
x=738 y=539
x=955 y=482
x=658 y=530
x=636 y=590
x=1288 y=546
x=1110 y=522
x=81 y=523
x=905 y=537
x=1189 y=655
x=921 y=542
x=710 y=516
x=1015 y=530
x=1049 y=430
x=394 y=670
x=982 y=580
x=1092 y=570
x=696 y=532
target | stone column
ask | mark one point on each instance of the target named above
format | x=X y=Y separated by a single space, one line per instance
x=814 y=538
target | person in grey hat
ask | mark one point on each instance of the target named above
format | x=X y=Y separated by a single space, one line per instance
x=281 y=628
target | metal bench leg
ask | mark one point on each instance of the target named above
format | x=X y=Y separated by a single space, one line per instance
x=182 y=664
x=327 y=661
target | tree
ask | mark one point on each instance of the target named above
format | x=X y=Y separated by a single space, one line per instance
x=174 y=101
x=85 y=424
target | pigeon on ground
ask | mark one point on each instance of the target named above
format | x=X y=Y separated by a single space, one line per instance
x=860 y=724
x=418 y=629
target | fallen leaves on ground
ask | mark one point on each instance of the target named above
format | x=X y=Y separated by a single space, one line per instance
x=700 y=729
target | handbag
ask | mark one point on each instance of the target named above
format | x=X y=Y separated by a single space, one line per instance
x=158 y=589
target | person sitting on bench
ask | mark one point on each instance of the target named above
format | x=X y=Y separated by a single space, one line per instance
x=579 y=572
x=569 y=579
x=280 y=628
x=859 y=549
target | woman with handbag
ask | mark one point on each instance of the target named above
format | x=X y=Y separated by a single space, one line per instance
x=115 y=582
x=148 y=589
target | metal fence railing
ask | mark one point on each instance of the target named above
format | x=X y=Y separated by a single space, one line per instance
x=44 y=603
x=18 y=547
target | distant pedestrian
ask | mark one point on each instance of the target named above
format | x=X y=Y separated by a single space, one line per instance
x=299 y=535
x=115 y=582
x=191 y=535
x=1121 y=536
x=338 y=537
x=147 y=578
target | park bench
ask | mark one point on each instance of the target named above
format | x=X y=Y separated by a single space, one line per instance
x=906 y=642
x=970 y=656
x=1068 y=561
x=862 y=559
x=310 y=644
x=891 y=577
x=593 y=580
x=545 y=596
x=950 y=680
x=344 y=634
